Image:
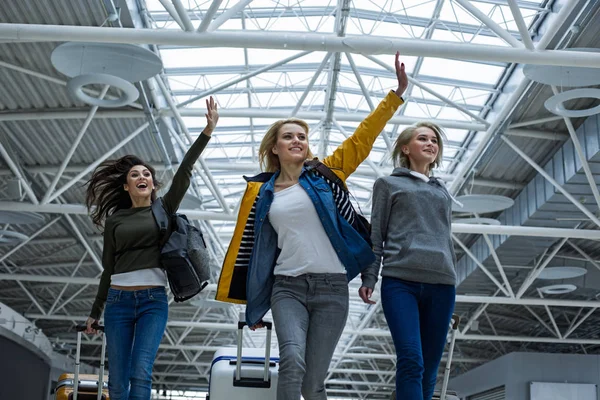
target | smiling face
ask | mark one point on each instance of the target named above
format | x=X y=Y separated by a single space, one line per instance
x=139 y=182
x=292 y=144
x=423 y=148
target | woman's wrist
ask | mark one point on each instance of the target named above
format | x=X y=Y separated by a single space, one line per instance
x=207 y=131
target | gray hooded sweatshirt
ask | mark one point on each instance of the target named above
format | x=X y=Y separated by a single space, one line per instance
x=411 y=221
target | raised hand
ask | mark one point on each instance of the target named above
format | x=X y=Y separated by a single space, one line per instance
x=212 y=116
x=401 y=75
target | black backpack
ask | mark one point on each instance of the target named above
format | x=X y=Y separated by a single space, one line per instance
x=183 y=253
x=360 y=223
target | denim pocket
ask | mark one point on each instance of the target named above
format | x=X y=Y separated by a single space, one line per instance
x=337 y=286
x=112 y=296
x=159 y=295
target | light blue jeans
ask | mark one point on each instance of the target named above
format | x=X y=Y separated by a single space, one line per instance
x=309 y=312
x=134 y=323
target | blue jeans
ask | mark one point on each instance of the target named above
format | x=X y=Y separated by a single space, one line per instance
x=418 y=315
x=134 y=322
x=309 y=312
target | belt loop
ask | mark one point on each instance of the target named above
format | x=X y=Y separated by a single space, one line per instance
x=150 y=295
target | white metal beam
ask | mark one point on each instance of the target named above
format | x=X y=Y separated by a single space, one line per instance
x=228 y=14
x=490 y=23
x=182 y=12
x=15 y=170
x=74 y=144
x=103 y=157
x=307 y=42
x=172 y=12
x=518 y=17
x=530 y=133
x=231 y=113
x=210 y=13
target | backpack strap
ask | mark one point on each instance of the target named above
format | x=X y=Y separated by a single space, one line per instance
x=326 y=172
x=162 y=220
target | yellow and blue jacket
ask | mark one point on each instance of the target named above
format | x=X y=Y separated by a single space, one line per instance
x=247 y=272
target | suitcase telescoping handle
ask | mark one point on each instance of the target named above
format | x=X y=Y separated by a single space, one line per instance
x=238 y=369
x=80 y=329
x=454 y=328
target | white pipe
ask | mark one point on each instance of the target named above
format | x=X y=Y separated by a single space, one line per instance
x=23 y=243
x=185 y=18
x=363 y=88
x=172 y=12
x=15 y=170
x=490 y=23
x=516 y=12
x=93 y=165
x=208 y=17
x=233 y=113
x=228 y=14
x=296 y=41
x=538 y=270
x=74 y=145
x=310 y=84
x=480 y=265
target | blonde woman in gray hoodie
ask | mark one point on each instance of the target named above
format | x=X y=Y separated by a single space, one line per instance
x=411 y=221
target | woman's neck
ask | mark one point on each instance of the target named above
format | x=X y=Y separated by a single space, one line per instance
x=290 y=172
x=140 y=202
x=422 y=169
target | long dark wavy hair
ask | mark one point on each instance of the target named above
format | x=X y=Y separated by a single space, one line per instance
x=105 y=187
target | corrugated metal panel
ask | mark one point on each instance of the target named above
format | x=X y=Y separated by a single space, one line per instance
x=493 y=394
x=539 y=203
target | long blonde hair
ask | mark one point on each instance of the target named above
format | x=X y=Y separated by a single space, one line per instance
x=401 y=159
x=269 y=162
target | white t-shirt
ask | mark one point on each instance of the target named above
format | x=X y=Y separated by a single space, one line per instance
x=305 y=246
x=142 y=277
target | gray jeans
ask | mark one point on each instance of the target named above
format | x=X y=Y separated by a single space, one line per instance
x=309 y=312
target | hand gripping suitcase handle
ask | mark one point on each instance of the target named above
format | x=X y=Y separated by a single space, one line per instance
x=238 y=368
x=82 y=328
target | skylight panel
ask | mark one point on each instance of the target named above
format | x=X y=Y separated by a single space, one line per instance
x=413 y=8
x=461 y=70
x=199 y=57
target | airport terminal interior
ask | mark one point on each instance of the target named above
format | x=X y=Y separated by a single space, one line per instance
x=513 y=83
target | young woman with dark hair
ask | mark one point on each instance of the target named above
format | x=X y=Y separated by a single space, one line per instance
x=133 y=282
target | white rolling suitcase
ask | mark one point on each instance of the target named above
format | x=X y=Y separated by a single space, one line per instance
x=238 y=373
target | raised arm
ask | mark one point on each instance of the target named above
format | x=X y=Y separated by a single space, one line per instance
x=380 y=213
x=354 y=150
x=181 y=180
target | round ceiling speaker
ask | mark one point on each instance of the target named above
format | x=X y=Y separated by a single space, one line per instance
x=553 y=273
x=127 y=61
x=129 y=93
x=558 y=289
x=10 y=237
x=482 y=203
x=555 y=104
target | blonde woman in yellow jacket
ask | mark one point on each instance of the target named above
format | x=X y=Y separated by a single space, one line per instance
x=295 y=246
